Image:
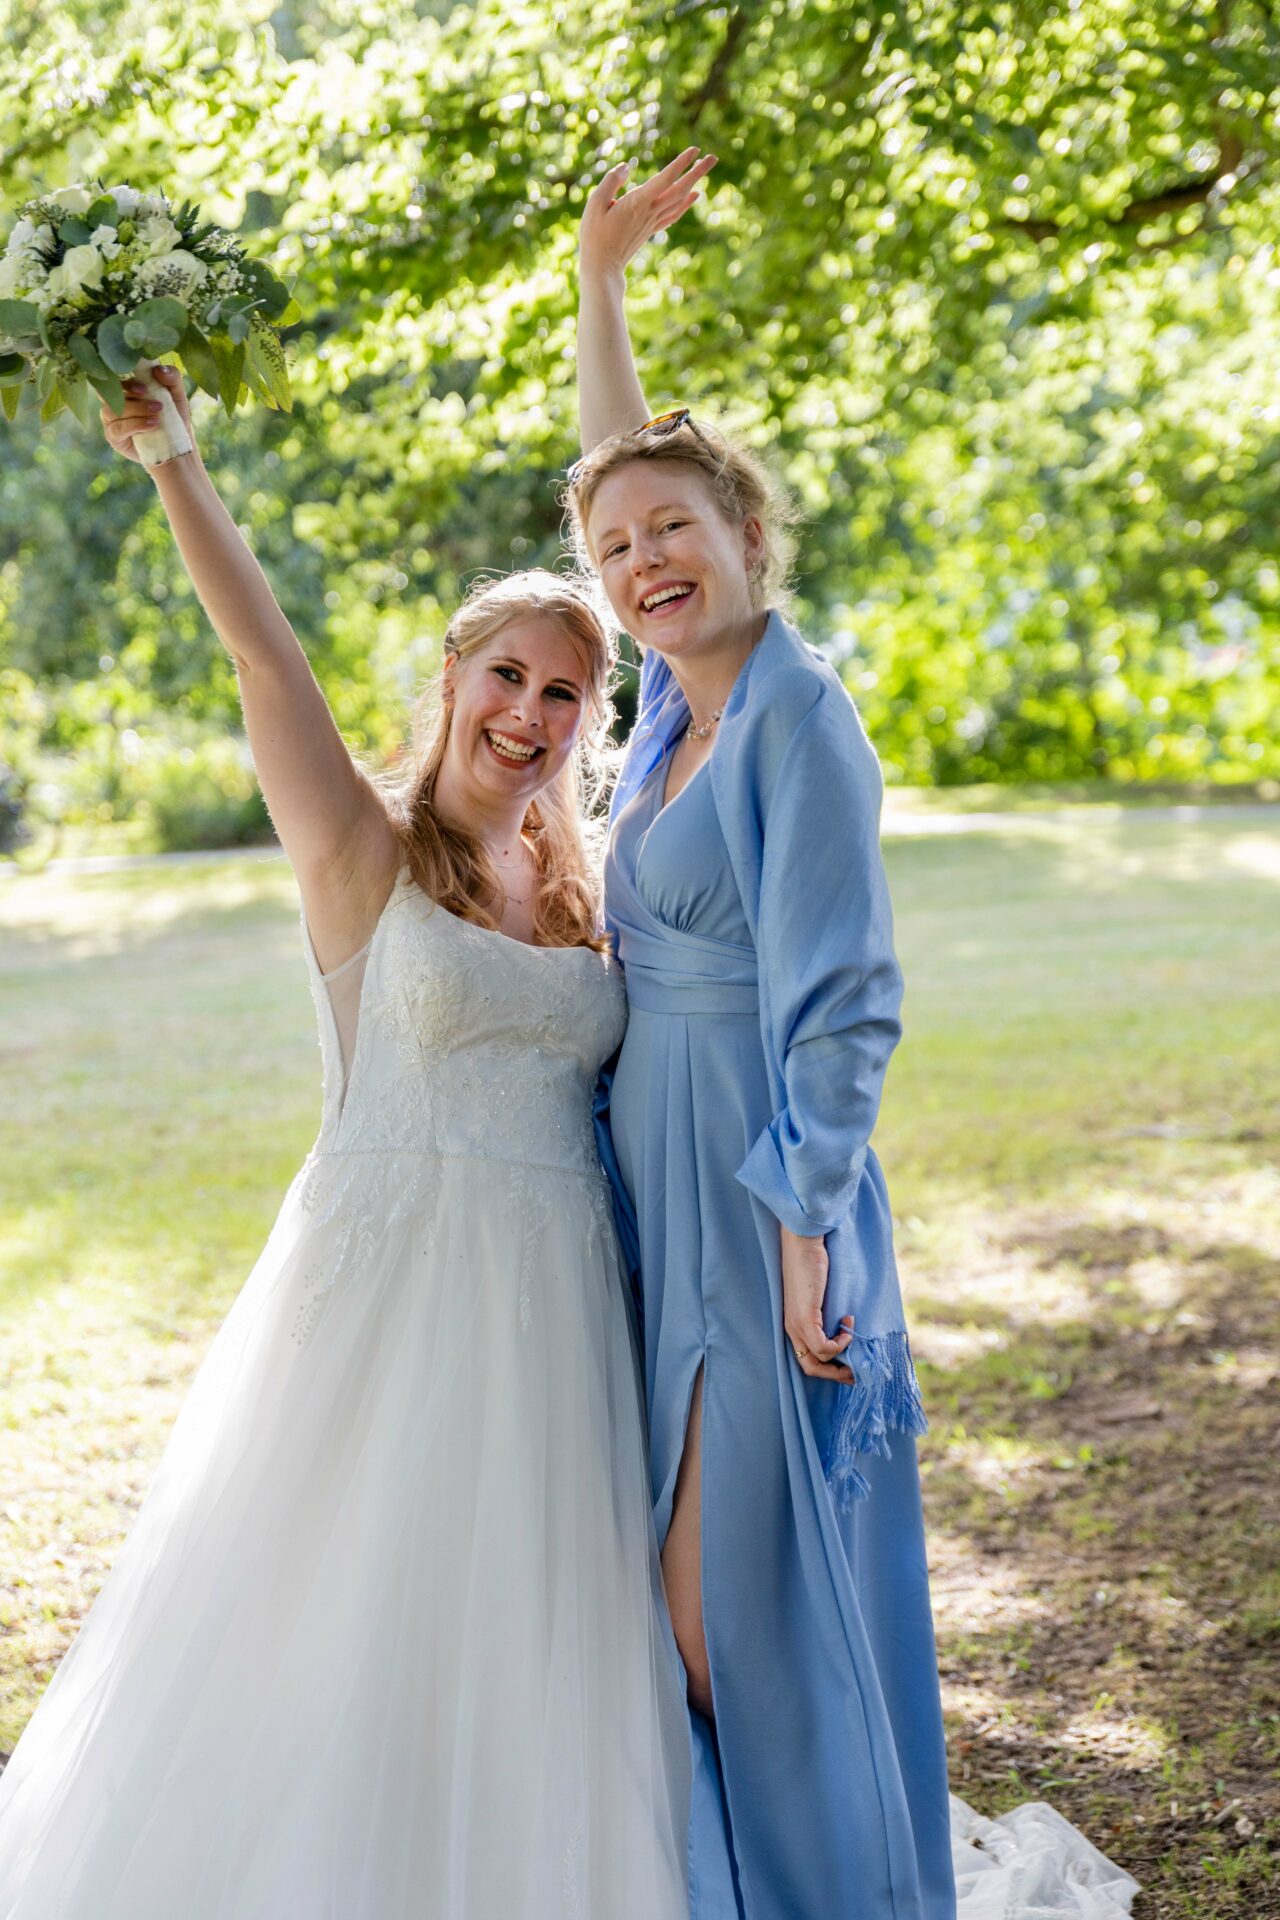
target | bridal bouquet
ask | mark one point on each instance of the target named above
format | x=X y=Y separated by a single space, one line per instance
x=96 y=284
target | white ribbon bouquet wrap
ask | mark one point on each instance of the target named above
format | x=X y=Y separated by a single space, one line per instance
x=98 y=284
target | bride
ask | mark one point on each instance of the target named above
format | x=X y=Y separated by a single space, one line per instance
x=387 y=1637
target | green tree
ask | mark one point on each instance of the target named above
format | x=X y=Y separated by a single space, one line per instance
x=992 y=285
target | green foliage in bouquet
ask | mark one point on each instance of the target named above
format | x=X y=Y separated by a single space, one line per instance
x=96 y=280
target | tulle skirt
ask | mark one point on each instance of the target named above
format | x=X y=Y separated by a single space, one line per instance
x=1032 y=1864
x=386 y=1638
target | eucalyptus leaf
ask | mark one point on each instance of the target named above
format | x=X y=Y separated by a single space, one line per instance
x=272 y=293
x=103 y=213
x=164 y=311
x=53 y=404
x=73 y=231
x=10 y=400
x=114 y=348
x=83 y=350
x=13 y=369
x=151 y=337
x=19 y=317
x=156 y=326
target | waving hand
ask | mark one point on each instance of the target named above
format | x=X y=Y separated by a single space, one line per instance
x=615 y=225
x=616 y=222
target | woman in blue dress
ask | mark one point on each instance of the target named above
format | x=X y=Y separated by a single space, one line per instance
x=745 y=889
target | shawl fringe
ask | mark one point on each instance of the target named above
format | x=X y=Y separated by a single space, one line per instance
x=885 y=1396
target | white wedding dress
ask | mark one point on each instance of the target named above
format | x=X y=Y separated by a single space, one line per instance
x=1032 y=1864
x=386 y=1639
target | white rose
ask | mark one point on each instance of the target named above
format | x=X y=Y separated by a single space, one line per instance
x=71 y=199
x=126 y=199
x=192 y=270
x=13 y=277
x=24 y=248
x=81 y=267
x=149 y=205
x=106 y=240
x=156 y=234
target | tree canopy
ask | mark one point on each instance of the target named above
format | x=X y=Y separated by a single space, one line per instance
x=993 y=287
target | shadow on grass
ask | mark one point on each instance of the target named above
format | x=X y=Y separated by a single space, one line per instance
x=1104 y=1514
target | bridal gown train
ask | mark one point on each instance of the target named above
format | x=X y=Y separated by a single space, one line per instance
x=386 y=1639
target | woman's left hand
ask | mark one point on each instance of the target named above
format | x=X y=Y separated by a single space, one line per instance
x=804 y=1288
x=616 y=223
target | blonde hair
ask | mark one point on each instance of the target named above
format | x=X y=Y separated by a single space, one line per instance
x=740 y=484
x=453 y=866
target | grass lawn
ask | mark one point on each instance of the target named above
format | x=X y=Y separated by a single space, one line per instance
x=1082 y=1143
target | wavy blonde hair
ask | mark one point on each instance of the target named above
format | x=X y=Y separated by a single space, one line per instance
x=739 y=482
x=562 y=823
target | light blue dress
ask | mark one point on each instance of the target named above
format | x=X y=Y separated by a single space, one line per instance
x=821 y=1794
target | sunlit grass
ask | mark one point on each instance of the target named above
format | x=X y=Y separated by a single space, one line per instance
x=1080 y=1136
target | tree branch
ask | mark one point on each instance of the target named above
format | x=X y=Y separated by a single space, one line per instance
x=712 y=88
x=1187 y=193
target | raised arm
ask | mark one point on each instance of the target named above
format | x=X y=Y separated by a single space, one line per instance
x=331 y=823
x=615 y=225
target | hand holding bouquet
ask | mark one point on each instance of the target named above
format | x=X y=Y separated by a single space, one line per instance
x=96 y=284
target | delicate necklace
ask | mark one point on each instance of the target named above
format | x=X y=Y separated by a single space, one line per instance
x=505 y=867
x=700 y=733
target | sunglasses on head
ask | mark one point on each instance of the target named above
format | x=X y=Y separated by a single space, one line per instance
x=660 y=426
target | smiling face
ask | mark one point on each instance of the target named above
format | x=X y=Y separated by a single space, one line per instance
x=677 y=571
x=517 y=703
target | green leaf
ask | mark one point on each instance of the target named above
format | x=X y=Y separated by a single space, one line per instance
x=198 y=360
x=13 y=369
x=108 y=388
x=19 y=316
x=73 y=232
x=291 y=315
x=82 y=349
x=230 y=362
x=164 y=311
x=53 y=404
x=46 y=376
x=272 y=293
x=156 y=326
x=238 y=328
x=79 y=397
x=10 y=399
x=267 y=358
x=103 y=213
x=151 y=342
x=114 y=348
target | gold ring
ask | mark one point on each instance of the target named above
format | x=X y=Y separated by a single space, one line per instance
x=800 y=1352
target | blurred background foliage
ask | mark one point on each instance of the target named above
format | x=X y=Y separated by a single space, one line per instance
x=993 y=287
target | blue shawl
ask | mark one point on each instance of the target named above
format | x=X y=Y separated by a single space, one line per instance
x=797 y=789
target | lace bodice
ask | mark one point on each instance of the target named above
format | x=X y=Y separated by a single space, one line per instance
x=467 y=1042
